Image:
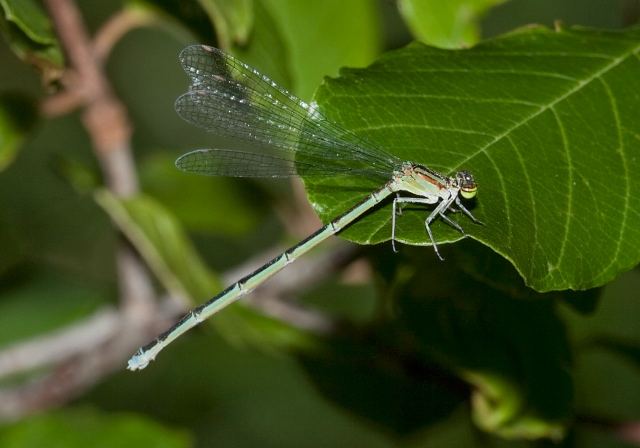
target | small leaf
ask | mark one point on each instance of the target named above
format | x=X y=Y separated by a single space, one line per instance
x=191 y=198
x=452 y=340
x=281 y=38
x=18 y=116
x=160 y=238
x=183 y=19
x=31 y=19
x=626 y=349
x=266 y=49
x=513 y=352
x=85 y=427
x=50 y=303
x=496 y=272
x=232 y=19
x=445 y=24
x=30 y=34
x=547 y=123
x=377 y=380
x=354 y=38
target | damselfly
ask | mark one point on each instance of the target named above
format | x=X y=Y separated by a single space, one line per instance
x=230 y=98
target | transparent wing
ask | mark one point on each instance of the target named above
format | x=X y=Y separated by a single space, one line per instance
x=231 y=99
x=231 y=163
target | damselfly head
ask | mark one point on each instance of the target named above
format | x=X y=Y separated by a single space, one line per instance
x=467 y=184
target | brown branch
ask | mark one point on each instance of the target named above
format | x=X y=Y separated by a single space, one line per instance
x=270 y=297
x=59 y=345
x=86 y=352
x=629 y=432
x=114 y=29
x=106 y=38
x=60 y=104
x=103 y=115
x=95 y=357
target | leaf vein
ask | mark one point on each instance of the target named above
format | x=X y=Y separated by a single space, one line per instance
x=533 y=197
x=442 y=97
x=475 y=71
x=627 y=182
x=561 y=54
x=422 y=127
x=568 y=214
x=614 y=63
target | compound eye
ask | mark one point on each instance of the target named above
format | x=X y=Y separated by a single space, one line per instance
x=468 y=186
x=468 y=191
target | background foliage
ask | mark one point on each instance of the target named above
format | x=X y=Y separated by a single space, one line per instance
x=402 y=349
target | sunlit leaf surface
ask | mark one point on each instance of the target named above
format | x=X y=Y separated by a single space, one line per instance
x=546 y=120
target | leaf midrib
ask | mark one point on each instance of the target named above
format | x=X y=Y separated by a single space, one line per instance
x=580 y=84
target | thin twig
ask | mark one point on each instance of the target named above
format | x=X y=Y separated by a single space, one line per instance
x=103 y=115
x=270 y=297
x=118 y=25
x=59 y=345
x=86 y=352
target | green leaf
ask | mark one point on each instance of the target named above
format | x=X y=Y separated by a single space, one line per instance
x=451 y=339
x=18 y=115
x=445 y=24
x=234 y=213
x=593 y=436
x=545 y=120
x=514 y=353
x=233 y=20
x=383 y=382
x=84 y=178
x=626 y=349
x=85 y=427
x=281 y=38
x=496 y=272
x=49 y=301
x=160 y=239
x=182 y=19
x=30 y=35
x=266 y=49
x=244 y=28
x=351 y=30
x=30 y=18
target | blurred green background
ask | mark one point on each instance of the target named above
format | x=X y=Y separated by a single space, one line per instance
x=57 y=263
